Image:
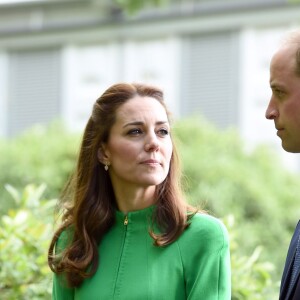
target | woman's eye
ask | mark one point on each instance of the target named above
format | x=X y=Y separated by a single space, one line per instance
x=163 y=132
x=135 y=131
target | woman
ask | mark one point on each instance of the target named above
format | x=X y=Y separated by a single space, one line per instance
x=127 y=232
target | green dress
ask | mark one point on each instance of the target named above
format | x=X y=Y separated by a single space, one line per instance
x=195 y=266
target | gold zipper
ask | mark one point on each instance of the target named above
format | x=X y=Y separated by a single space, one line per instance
x=125 y=221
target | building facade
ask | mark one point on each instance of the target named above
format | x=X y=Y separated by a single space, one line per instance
x=211 y=57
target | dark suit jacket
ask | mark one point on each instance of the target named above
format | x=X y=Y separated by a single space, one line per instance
x=288 y=269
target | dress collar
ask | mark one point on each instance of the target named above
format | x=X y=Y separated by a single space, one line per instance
x=136 y=217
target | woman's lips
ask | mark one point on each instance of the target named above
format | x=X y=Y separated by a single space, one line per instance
x=150 y=162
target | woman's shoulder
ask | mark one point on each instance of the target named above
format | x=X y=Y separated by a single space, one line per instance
x=206 y=231
x=207 y=224
x=64 y=239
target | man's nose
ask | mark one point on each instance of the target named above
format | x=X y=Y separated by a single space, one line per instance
x=272 y=111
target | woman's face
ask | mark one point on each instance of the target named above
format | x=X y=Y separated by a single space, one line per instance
x=139 y=147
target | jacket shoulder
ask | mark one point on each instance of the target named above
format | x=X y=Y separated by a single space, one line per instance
x=205 y=232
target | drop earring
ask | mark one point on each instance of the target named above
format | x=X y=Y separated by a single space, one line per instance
x=106 y=167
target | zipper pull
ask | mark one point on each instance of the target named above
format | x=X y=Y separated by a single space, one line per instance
x=125 y=221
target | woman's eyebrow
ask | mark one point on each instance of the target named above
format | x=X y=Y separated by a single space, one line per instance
x=142 y=123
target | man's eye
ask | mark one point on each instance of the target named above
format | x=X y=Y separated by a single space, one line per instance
x=279 y=93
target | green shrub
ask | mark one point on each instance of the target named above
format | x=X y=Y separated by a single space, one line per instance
x=221 y=174
x=251 y=276
x=253 y=186
x=25 y=234
x=24 y=238
x=39 y=155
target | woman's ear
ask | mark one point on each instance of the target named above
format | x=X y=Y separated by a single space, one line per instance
x=102 y=156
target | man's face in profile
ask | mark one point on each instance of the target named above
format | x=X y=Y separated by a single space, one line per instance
x=284 y=105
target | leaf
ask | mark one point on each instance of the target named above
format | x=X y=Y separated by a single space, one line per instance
x=13 y=192
x=32 y=195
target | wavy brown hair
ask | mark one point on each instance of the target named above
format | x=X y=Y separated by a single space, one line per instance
x=89 y=196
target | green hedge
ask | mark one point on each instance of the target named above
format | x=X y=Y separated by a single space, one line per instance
x=24 y=239
x=253 y=185
x=40 y=155
x=221 y=174
x=26 y=230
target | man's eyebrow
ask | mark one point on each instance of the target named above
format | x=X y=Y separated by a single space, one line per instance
x=142 y=123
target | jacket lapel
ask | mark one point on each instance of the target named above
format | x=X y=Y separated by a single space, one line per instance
x=288 y=265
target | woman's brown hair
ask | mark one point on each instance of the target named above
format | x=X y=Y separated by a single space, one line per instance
x=90 y=197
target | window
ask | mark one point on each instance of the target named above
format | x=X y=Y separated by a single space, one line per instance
x=34 y=86
x=210 y=77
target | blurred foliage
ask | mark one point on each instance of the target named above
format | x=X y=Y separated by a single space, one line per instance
x=24 y=239
x=253 y=185
x=133 y=6
x=26 y=231
x=251 y=276
x=39 y=155
x=221 y=173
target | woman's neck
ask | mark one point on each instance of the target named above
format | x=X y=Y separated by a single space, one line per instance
x=134 y=199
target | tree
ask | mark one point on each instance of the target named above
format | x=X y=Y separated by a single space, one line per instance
x=133 y=6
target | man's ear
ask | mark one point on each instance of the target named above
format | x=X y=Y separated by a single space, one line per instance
x=102 y=156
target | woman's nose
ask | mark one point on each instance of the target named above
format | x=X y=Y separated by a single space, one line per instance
x=152 y=144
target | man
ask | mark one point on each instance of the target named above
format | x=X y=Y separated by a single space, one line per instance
x=284 y=109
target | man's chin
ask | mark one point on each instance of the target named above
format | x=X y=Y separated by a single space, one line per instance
x=290 y=148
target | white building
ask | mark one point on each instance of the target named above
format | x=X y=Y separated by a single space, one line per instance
x=210 y=57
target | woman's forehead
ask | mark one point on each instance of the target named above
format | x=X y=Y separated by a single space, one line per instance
x=141 y=107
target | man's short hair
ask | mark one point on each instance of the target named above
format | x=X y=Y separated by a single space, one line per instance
x=293 y=38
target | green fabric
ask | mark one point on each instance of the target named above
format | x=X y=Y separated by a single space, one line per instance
x=196 y=266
